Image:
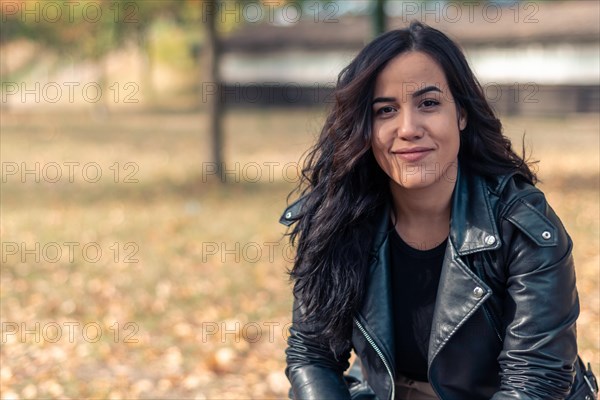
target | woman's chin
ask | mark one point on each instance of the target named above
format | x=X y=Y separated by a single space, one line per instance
x=416 y=181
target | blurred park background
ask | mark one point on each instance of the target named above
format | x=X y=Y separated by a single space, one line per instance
x=148 y=148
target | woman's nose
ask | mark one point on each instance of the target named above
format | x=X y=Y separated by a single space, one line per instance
x=408 y=126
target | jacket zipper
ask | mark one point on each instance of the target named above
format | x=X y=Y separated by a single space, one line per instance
x=380 y=354
x=490 y=320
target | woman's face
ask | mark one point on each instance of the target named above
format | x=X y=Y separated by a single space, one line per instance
x=416 y=123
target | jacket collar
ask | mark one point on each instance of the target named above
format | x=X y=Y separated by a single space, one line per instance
x=472 y=224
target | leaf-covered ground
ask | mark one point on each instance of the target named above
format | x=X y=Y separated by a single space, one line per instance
x=128 y=271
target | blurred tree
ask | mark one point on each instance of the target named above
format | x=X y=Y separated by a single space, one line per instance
x=66 y=33
x=134 y=21
x=215 y=16
x=92 y=28
x=86 y=30
x=379 y=19
x=215 y=106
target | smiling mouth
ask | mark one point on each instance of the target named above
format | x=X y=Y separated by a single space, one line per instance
x=413 y=155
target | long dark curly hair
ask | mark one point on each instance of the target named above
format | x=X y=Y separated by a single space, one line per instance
x=344 y=187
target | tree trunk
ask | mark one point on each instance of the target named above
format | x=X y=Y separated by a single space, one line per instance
x=213 y=98
x=379 y=22
x=147 y=69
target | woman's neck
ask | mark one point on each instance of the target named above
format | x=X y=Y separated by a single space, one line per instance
x=423 y=214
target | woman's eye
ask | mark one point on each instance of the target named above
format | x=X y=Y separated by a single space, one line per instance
x=385 y=110
x=429 y=103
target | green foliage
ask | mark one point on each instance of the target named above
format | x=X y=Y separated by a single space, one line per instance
x=91 y=28
x=85 y=29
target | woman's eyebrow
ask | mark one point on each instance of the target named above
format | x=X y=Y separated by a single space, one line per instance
x=415 y=94
x=425 y=90
x=383 y=100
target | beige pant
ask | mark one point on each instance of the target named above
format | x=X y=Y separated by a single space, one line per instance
x=407 y=389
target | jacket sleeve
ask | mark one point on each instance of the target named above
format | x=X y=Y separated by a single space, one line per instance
x=541 y=303
x=312 y=368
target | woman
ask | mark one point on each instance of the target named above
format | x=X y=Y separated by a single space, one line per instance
x=423 y=244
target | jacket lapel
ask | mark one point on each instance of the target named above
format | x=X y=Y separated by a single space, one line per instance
x=460 y=294
x=376 y=311
x=460 y=291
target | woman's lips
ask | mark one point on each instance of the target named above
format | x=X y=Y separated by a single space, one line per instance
x=413 y=155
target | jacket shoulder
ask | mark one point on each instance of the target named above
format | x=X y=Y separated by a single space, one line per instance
x=525 y=207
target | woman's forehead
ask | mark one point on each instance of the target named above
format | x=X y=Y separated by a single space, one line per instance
x=410 y=72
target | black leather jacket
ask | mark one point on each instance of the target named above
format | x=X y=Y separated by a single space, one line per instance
x=504 y=319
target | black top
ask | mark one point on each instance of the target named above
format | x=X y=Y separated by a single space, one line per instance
x=415 y=278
